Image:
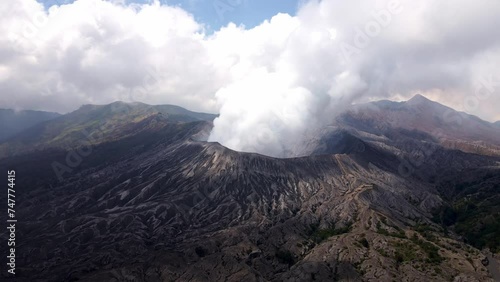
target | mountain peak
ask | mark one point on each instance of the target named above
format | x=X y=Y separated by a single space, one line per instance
x=421 y=101
x=418 y=99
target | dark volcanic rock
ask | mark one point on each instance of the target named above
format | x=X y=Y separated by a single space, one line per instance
x=157 y=204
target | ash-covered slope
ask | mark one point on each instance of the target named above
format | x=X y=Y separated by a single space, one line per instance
x=159 y=206
x=149 y=202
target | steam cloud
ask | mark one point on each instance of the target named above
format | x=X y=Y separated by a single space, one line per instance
x=333 y=53
x=272 y=84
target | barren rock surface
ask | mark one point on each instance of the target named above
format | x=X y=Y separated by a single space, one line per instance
x=160 y=205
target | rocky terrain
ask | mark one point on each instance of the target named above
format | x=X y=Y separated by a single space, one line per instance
x=149 y=200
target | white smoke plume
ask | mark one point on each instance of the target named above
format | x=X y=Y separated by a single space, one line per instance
x=333 y=53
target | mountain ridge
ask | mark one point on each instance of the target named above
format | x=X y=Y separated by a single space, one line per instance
x=164 y=108
x=450 y=128
x=98 y=122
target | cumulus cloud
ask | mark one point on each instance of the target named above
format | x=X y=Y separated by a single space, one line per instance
x=93 y=51
x=272 y=84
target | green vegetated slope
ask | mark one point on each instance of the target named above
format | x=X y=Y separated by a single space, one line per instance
x=96 y=124
x=473 y=209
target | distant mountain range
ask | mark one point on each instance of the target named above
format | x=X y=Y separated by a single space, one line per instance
x=12 y=122
x=130 y=192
